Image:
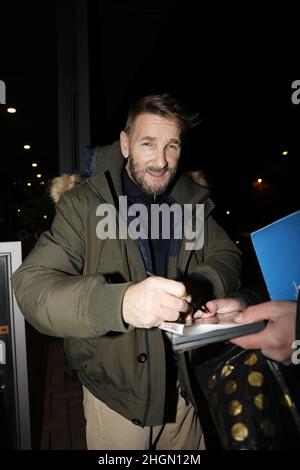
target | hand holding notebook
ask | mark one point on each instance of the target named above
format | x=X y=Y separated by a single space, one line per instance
x=202 y=331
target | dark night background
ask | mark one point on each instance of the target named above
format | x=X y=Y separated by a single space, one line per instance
x=228 y=70
x=226 y=63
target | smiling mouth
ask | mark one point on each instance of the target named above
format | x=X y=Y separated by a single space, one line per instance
x=158 y=174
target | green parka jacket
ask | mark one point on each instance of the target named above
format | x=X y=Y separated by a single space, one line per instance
x=72 y=284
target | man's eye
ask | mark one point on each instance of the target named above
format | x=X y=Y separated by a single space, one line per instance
x=146 y=144
x=173 y=147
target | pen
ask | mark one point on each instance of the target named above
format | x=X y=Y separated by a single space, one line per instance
x=198 y=307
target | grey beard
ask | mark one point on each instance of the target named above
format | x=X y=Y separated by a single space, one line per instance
x=140 y=182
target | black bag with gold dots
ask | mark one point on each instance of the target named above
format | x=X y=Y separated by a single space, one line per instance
x=250 y=400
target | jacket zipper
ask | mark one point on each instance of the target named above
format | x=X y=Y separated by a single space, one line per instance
x=183 y=376
x=148 y=396
x=95 y=190
x=179 y=258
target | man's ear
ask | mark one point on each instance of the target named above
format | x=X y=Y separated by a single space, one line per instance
x=124 y=144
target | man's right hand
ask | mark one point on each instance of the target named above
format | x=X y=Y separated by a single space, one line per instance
x=154 y=300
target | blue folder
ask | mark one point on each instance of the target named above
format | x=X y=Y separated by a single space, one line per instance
x=277 y=248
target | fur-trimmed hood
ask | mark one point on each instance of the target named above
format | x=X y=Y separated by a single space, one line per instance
x=65 y=182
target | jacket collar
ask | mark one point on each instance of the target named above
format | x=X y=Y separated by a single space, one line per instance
x=110 y=160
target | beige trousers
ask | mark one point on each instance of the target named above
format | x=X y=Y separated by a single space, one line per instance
x=108 y=430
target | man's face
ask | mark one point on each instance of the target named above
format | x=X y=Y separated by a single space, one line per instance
x=152 y=148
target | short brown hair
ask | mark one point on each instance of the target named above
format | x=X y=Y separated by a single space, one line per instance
x=162 y=105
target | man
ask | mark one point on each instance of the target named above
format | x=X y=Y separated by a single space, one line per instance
x=93 y=290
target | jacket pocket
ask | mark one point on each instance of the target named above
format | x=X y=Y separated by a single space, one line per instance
x=116 y=363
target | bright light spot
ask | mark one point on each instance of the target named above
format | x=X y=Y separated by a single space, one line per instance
x=18 y=210
x=237 y=242
x=11 y=110
x=259 y=180
x=42 y=182
x=27 y=147
x=39 y=175
x=28 y=184
x=45 y=216
x=34 y=165
x=285 y=152
x=228 y=212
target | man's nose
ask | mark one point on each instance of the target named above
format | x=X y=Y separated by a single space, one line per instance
x=160 y=158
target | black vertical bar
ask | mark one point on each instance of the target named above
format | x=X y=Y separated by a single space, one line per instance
x=73 y=83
